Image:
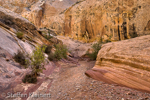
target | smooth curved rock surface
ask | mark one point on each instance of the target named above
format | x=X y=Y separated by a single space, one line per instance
x=11 y=20
x=126 y=63
x=11 y=72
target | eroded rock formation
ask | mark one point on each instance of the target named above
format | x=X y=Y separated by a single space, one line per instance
x=11 y=72
x=48 y=13
x=126 y=63
x=13 y=21
x=43 y=13
x=108 y=19
x=89 y=21
x=17 y=5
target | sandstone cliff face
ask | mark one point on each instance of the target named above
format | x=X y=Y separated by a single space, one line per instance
x=17 y=5
x=12 y=21
x=48 y=13
x=43 y=13
x=108 y=19
x=89 y=21
x=125 y=63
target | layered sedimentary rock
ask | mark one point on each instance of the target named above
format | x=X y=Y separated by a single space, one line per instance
x=17 y=5
x=48 y=13
x=108 y=19
x=11 y=72
x=90 y=20
x=16 y=23
x=43 y=13
x=126 y=63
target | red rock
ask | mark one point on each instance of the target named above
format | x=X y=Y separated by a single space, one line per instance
x=126 y=63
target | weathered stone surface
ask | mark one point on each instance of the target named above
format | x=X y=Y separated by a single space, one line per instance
x=11 y=73
x=76 y=48
x=9 y=20
x=8 y=77
x=48 y=13
x=147 y=28
x=16 y=5
x=89 y=21
x=118 y=20
x=126 y=63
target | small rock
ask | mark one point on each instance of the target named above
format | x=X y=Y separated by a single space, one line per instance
x=18 y=88
x=128 y=93
x=146 y=98
x=122 y=99
x=8 y=76
x=7 y=59
x=17 y=73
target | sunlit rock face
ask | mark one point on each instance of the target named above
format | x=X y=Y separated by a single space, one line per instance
x=88 y=20
x=43 y=13
x=126 y=63
x=48 y=13
x=16 y=5
x=108 y=19
x=11 y=20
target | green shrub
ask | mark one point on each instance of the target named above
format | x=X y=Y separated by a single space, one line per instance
x=20 y=58
x=19 y=35
x=37 y=65
x=30 y=78
x=107 y=41
x=37 y=60
x=48 y=37
x=96 y=47
x=51 y=57
x=61 y=51
x=48 y=49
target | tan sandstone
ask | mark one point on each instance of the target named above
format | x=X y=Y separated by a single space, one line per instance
x=126 y=63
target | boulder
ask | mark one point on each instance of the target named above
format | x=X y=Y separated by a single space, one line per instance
x=126 y=63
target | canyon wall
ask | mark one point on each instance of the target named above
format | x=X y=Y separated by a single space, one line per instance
x=17 y=5
x=11 y=72
x=106 y=20
x=43 y=13
x=17 y=23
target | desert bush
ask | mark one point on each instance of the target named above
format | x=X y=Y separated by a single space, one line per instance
x=107 y=41
x=20 y=58
x=37 y=60
x=37 y=65
x=61 y=51
x=48 y=37
x=30 y=78
x=51 y=57
x=96 y=47
x=19 y=35
x=48 y=49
